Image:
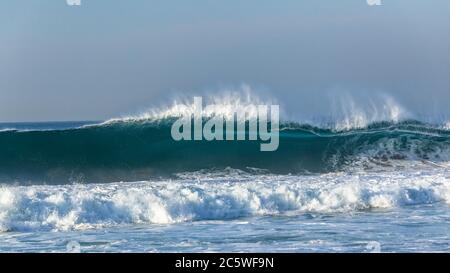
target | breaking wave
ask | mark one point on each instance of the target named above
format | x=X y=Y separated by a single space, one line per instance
x=371 y=136
x=226 y=196
x=362 y=157
x=140 y=150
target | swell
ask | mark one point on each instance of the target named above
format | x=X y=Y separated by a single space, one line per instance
x=139 y=150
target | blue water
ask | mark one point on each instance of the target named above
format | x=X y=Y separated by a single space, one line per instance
x=403 y=230
x=391 y=193
x=54 y=125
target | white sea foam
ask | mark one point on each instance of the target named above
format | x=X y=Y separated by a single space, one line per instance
x=348 y=113
x=406 y=152
x=345 y=112
x=212 y=198
x=7 y=130
x=225 y=104
x=446 y=125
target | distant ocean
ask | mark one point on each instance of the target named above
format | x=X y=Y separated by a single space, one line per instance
x=125 y=185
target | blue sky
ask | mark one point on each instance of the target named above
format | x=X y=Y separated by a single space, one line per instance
x=106 y=58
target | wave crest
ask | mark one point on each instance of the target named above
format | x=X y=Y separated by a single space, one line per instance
x=224 y=104
x=344 y=112
x=135 y=151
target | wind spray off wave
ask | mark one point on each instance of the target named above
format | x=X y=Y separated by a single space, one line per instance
x=139 y=148
x=235 y=125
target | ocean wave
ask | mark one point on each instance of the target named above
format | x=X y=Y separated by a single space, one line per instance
x=368 y=134
x=133 y=151
x=231 y=196
x=342 y=111
x=345 y=113
x=225 y=104
x=7 y=129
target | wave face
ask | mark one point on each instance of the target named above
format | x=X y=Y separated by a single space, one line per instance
x=216 y=196
x=136 y=150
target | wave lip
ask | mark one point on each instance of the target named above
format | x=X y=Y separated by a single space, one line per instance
x=136 y=151
x=166 y=202
x=225 y=105
x=367 y=134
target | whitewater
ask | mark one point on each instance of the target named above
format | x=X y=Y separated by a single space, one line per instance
x=371 y=178
x=233 y=211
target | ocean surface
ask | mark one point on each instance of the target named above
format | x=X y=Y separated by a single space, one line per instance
x=126 y=186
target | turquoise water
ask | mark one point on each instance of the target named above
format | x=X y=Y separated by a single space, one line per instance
x=139 y=150
x=384 y=188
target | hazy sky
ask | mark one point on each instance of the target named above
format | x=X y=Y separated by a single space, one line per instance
x=107 y=58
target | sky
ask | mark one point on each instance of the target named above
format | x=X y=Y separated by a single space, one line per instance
x=108 y=58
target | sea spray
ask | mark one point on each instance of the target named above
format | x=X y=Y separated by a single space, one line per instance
x=213 y=129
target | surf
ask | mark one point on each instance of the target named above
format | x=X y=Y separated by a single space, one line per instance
x=214 y=196
x=142 y=149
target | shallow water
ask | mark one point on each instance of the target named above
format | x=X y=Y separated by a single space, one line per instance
x=412 y=229
x=401 y=211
